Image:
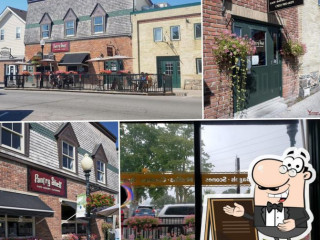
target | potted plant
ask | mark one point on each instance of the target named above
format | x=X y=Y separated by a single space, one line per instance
x=25 y=73
x=99 y=200
x=105 y=72
x=293 y=48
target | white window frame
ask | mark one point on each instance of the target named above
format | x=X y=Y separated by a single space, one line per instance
x=18 y=31
x=171 y=35
x=94 y=24
x=154 y=34
x=195 y=32
x=102 y=172
x=6 y=220
x=199 y=64
x=73 y=158
x=42 y=31
x=74 y=28
x=21 y=135
x=2 y=34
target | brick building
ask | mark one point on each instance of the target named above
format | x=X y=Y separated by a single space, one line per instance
x=12 y=27
x=173 y=35
x=273 y=78
x=41 y=176
x=76 y=31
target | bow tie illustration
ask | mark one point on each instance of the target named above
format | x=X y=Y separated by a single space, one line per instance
x=271 y=206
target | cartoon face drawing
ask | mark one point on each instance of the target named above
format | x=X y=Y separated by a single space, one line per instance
x=280 y=188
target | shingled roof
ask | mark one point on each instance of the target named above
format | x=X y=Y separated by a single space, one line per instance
x=21 y=13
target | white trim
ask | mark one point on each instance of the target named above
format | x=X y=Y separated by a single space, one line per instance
x=171 y=35
x=68 y=156
x=27 y=209
x=21 y=135
x=5 y=12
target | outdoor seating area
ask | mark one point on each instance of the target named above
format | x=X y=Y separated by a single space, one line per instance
x=135 y=83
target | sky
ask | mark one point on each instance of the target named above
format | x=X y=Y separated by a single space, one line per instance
x=112 y=127
x=22 y=4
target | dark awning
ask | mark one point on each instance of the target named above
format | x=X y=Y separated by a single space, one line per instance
x=70 y=204
x=23 y=205
x=74 y=59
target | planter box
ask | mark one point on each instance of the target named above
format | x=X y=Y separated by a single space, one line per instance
x=304 y=92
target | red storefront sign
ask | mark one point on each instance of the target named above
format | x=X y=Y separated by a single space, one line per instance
x=47 y=183
x=60 y=47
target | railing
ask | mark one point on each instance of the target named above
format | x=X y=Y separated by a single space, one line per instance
x=169 y=226
x=121 y=83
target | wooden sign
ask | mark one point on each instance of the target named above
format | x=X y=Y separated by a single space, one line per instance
x=275 y=5
x=217 y=225
x=185 y=179
x=57 y=47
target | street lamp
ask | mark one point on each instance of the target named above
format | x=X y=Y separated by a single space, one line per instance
x=87 y=164
x=42 y=43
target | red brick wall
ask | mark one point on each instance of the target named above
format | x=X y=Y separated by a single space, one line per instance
x=95 y=47
x=13 y=176
x=217 y=95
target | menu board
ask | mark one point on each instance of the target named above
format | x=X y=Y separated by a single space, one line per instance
x=220 y=226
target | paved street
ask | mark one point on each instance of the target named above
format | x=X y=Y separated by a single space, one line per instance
x=18 y=105
x=307 y=108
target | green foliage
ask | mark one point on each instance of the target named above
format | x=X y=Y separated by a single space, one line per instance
x=160 y=201
x=230 y=191
x=231 y=53
x=293 y=48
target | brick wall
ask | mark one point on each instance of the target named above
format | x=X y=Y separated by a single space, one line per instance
x=217 y=95
x=2 y=70
x=93 y=46
x=13 y=176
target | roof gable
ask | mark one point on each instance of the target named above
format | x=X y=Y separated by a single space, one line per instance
x=46 y=19
x=98 y=11
x=70 y=15
x=66 y=132
x=20 y=14
x=99 y=153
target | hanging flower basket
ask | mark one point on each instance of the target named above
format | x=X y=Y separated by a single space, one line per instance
x=230 y=52
x=106 y=227
x=105 y=72
x=26 y=73
x=293 y=48
x=99 y=200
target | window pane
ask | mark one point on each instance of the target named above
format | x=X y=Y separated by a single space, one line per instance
x=259 y=37
x=175 y=35
x=158 y=34
x=16 y=141
x=238 y=31
x=81 y=228
x=70 y=32
x=68 y=228
x=199 y=66
x=65 y=162
x=6 y=138
x=45 y=27
x=98 y=20
x=7 y=125
x=70 y=24
x=70 y=166
x=65 y=148
x=98 y=28
x=45 y=34
x=198 y=30
x=70 y=151
x=17 y=127
x=275 y=48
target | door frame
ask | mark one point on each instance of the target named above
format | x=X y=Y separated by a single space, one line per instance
x=172 y=59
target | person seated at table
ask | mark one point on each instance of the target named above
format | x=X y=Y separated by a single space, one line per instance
x=143 y=81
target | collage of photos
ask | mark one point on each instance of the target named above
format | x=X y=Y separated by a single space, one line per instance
x=159 y=120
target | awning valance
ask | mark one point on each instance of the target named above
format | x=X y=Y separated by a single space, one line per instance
x=74 y=59
x=23 y=205
x=70 y=204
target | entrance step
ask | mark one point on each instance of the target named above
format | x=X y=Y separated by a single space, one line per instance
x=268 y=109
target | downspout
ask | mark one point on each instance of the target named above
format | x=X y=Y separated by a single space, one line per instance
x=138 y=39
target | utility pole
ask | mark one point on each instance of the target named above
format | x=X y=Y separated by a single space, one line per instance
x=238 y=171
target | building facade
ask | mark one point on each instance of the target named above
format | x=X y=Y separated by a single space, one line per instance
x=273 y=77
x=75 y=32
x=41 y=177
x=12 y=50
x=168 y=40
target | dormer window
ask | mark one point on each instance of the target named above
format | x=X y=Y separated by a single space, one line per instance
x=98 y=18
x=100 y=163
x=70 y=23
x=45 y=26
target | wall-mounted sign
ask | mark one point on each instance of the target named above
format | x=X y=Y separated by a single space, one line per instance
x=60 y=47
x=274 y=5
x=47 y=183
x=184 y=179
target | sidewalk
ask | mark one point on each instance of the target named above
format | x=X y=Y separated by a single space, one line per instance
x=307 y=108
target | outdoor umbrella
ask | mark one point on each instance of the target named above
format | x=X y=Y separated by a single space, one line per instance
x=118 y=57
x=98 y=59
x=50 y=61
x=114 y=210
x=21 y=63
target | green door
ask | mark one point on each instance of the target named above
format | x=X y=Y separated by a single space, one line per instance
x=170 y=66
x=265 y=79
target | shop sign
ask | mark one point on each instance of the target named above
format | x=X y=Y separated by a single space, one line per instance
x=274 y=5
x=184 y=179
x=47 y=183
x=81 y=205
x=60 y=47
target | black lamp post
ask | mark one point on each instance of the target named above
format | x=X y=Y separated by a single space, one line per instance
x=87 y=164
x=42 y=43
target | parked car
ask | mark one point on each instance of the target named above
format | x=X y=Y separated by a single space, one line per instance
x=173 y=215
x=145 y=212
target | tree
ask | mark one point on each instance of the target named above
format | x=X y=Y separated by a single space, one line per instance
x=230 y=191
x=163 y=200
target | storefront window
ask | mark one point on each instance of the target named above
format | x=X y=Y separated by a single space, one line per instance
x=197 y=30
x=259 y=37
x=2 y=226
x=69 y=222
x=12 y=135
x=175 y=32
x=157 y=34
x=68 y=154
x=20 y=226
x=98 y=24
